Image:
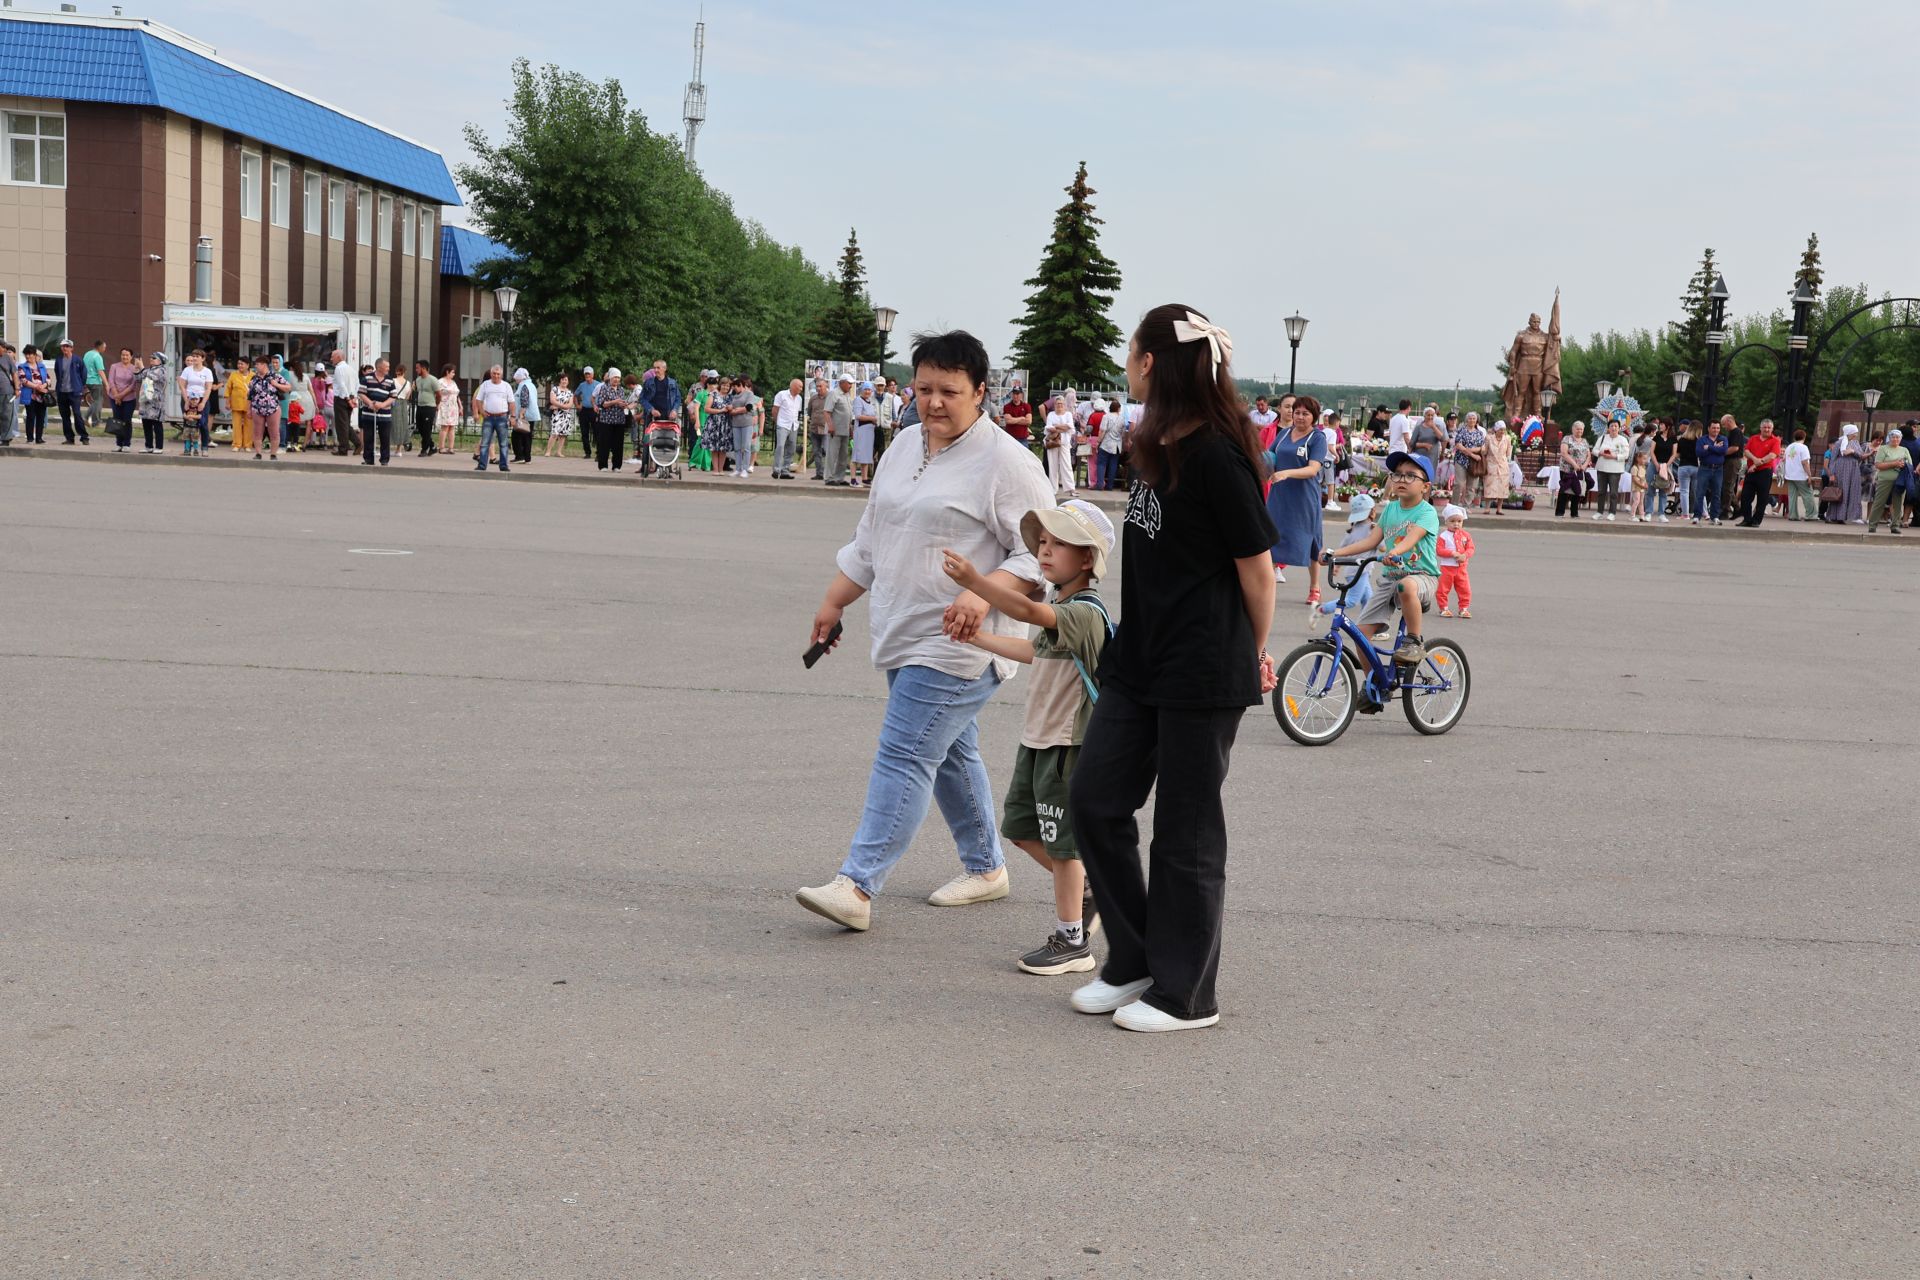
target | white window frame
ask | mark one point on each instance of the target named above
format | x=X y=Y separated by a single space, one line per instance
x=429 y=246
x=280 y=193
x=363 y=215
x=28 y=315
x=250 y=185
x=311 y=204
x=383 y=224
x=336 y=209
x=36 y=140
x=410 y=229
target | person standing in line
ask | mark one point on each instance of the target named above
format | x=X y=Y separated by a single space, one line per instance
x=589 y=423
x=1189 y=657
x=1400 y=430
x=9 y=392
x=346 y=398
x=787 y=406
x=1611 y=454
x=233 y=395
x=70 y=392
x=426 y=405
x=1575 y=454
x=1711 y=451
x=1471 y=462
x=1498 y=482
x=738 y=417
x=1796 y=468
x=1059 y=446
x=611 y=411
x=1686 y=466
x=717 y=413
x=561 y=416
x=839 y=431
x=196 y=388
x=1265 y=422
x=120 y=386
x=376 y=412
x=955 y=484
x=1016 y=416
x=1107 y=449
x=153 y=403
x=816 y=423
x=35 y=382
x=866 y=423
x=283 y=376
x=526 y=415
x=95 y=362
x=1659 y=471
x=1890 y=461
x=447 y=409
x=263 y=406
x=659 y=404
x=1734 y=469
x=493 y=405
x=1756 y=491
x=1428 y=438
x=1294 y=502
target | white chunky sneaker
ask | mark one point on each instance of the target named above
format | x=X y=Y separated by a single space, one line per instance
x=967 y=888
x=1141 y=1016
x=1101 y=996
x=840 y=901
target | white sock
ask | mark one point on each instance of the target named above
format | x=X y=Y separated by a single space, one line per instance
x=1073 y=931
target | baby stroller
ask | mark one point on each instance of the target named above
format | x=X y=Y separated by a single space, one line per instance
x=663 y=450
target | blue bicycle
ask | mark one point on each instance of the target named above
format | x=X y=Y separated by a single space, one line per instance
x=1320 y=686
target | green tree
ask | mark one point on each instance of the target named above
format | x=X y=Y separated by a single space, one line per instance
x=654 y=263
x=1687 y=345
x=846 y=329
x=1810 y=271
x=1065 y=336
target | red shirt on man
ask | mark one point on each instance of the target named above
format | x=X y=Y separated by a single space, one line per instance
x=1017 y=408
x=1765 y=450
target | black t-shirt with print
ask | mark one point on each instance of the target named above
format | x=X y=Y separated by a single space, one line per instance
x=1184 y=639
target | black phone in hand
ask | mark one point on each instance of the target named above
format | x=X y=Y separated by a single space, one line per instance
x=819 y=651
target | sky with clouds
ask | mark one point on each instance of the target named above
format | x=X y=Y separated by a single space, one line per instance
x=1412 y=177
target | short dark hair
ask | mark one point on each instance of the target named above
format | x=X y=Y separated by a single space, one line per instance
x=1405 y=405
x=1799 y=433
x=957 y=351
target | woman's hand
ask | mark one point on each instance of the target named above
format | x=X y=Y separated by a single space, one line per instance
x=823 y=624
x=959 y=568
x=964 y=616
x=1268 y=680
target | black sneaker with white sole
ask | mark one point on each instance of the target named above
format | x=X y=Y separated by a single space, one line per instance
x=1058 y=956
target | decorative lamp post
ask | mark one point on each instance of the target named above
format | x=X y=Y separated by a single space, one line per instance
x=1548 y=398
x=1603 y=389
x=1296 y=330
x=1870 y=398
x=883 y=318
x=506 y=297
x=1803 y=300
x=1716 y=338
x=1681 y=379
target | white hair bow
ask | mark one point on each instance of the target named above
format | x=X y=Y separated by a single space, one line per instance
x=1196 y=327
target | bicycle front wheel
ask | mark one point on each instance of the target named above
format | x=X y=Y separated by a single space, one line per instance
x=1317 y=693
x=1435 y=693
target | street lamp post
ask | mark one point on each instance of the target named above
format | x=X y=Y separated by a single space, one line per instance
x=1803 y=300
x=1716 y=338
x=1681 y=378
x=1296 y=330
x=506 y=297
x=883 y=318
x=1870 y=398
x=1602 y=389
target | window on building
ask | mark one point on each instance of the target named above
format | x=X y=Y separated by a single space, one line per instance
x=37 y=149
x=311 y=221
x=363 y=207
x=409 y=229
x=337 y=210
x=46 y=315
x=429 y=247
x=250 y=186
x=386 y=223
x=281 y=182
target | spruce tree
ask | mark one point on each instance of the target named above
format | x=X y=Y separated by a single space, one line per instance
x=1065 y=336
x=1689 y=341
x=846 y=330
x=1810 y=266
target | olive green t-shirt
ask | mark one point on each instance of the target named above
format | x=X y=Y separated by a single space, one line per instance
x=1057 y=702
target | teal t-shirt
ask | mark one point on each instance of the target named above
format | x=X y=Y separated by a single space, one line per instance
x=1394 y=520
x=96 y=367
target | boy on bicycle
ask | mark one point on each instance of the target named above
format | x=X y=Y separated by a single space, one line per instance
x=1409 y=571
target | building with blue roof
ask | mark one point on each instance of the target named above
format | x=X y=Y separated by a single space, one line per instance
x=155 y=195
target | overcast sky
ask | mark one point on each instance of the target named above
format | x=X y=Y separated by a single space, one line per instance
x=1412 y=177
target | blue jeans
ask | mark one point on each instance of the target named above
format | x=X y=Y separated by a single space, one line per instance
x=493 y=427
x=1106 y=469
x=1706 y=493
x=929 y=751
x=742 y=446
x=1689 y=478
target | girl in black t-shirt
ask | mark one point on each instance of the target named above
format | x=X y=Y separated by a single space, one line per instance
x=1196 y=591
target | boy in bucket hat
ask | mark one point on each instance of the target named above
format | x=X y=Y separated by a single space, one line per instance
x=1071 y=542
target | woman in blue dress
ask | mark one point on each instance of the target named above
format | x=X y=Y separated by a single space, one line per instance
x=1294 y=501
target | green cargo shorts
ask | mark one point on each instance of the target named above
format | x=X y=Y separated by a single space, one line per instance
x=1036 y=806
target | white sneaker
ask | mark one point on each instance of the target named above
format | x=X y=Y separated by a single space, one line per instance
x=1609 y=517
x=1594 y=516
x=1279 y=575
x=839 y=901
x=1664 y=520
x=1334 y=506
x=1141 y=1016
x=969 y=887
x=1101 y=996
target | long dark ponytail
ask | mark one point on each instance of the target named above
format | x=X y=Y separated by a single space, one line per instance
x=1186 y=394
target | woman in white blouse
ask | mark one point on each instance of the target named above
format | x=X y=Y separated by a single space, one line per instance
x=955 y=482
x=1059 y=438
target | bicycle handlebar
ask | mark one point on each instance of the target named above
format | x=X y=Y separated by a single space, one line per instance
x=1359 y=567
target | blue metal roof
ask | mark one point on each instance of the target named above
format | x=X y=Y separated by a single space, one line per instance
x=461 y=251
x=78 y=62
